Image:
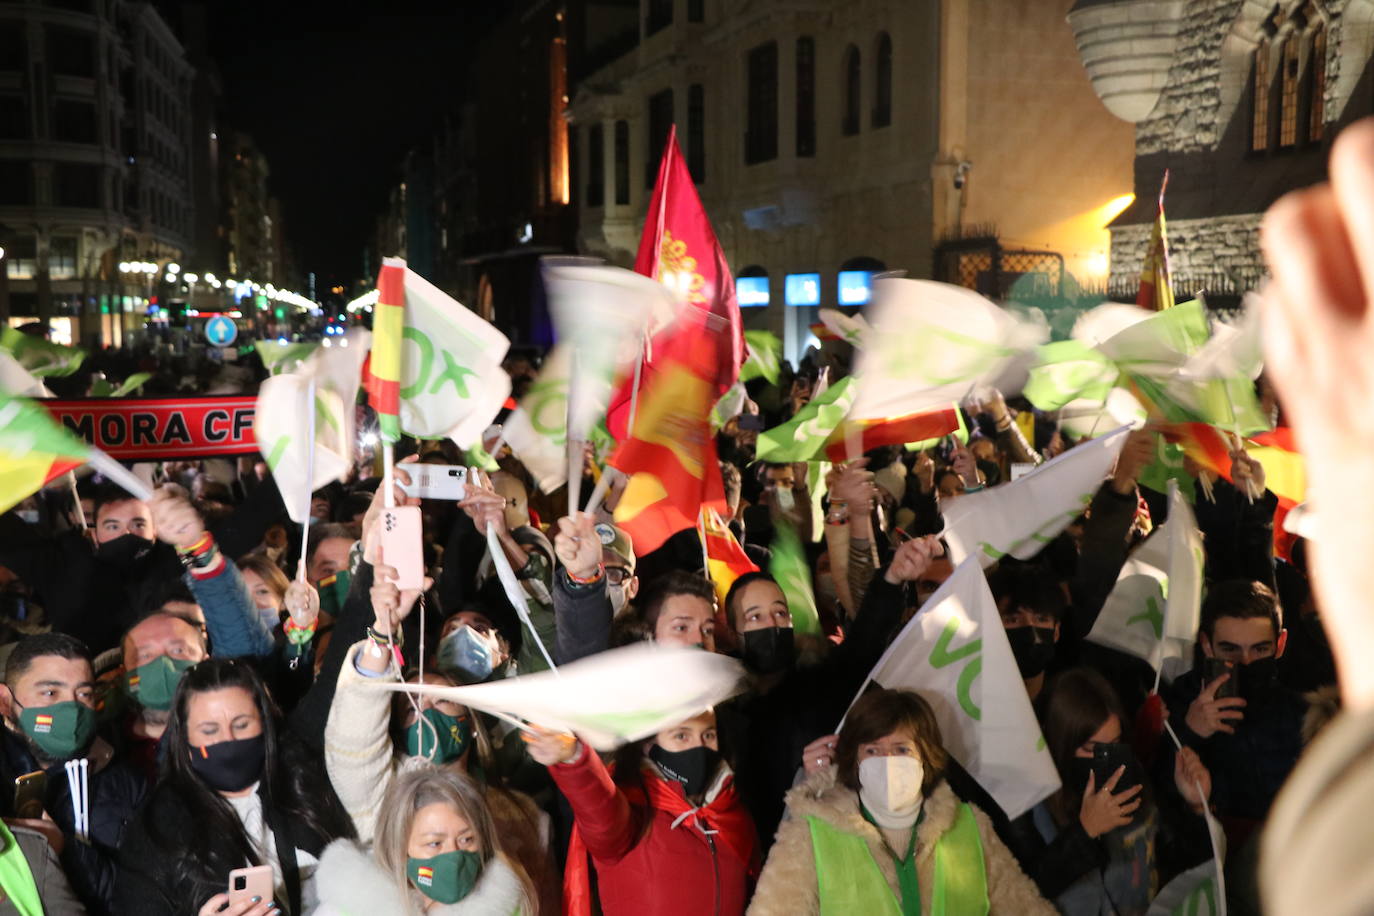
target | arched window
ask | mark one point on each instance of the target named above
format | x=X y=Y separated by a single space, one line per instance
x=853 y=77
x=1259 y=94
x=882 y=82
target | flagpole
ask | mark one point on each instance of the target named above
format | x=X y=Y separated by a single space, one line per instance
x=634 y=386
x=76 y=499
x=119 y=474
x=309 y=478
x=599 y=492
x=705 y=554
x=575 y=446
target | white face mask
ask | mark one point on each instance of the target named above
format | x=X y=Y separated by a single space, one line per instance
x=786 y=500
x=890 y=788
x=616 y=594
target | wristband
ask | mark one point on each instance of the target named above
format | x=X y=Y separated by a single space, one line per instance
x=202 y=544
x=591 y=580
x=385 y=640
x=298 y=635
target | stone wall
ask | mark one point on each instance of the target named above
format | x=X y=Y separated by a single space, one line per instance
x=1202 y=252
x=1188 y=116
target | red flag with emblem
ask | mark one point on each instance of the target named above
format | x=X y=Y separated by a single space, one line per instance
x=679 y=248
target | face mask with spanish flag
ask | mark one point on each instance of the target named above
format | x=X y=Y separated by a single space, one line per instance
x=445 y=878
x=61 y=729
x=155 y=683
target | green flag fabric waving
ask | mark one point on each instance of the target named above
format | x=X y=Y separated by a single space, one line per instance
x=40 y=357
x=803 y=437
x=793 y=575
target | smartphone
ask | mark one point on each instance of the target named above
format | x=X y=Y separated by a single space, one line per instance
x=28 y=794
x=247 y=883
x=750 y=421
x=436 y=481
x=1213 y=668
x=1110 y=757
x=402 y=546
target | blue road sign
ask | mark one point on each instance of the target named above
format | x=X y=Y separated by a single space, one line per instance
x=221 y=331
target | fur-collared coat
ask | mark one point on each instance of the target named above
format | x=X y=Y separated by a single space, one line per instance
x=787 y=886
x=352 y=883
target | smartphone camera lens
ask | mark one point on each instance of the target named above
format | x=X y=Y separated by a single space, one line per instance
x=240 y=882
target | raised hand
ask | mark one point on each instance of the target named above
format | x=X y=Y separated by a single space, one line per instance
x=577 y=545
x=549 y=747
x=912 y=559
x=371 y=540
x=819 y=754
x=174 y=518
x=1190 y=775
x=1134 y=458
x=1103 y=810
x=1208 y=715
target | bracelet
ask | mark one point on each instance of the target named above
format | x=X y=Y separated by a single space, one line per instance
x=578 y=580
x=297 y=634
x=385 y=640
x=202 y=544
x=202 y=560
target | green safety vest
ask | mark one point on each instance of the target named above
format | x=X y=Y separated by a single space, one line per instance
x=850 y=882
x=16 y=879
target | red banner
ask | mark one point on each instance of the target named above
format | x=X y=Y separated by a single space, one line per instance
x=160 y=429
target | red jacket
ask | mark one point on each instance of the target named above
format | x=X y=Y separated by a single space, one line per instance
x=646 y=866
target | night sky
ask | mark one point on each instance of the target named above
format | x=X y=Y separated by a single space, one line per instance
x=334 y=96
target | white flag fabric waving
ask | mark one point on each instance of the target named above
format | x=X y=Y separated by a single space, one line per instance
x=1154 y=609
x=452 y=383
x=537 y=430
x=282 y=420
x=590 y=699
x=933 y=343
x=15 y=379
x=1021 y=517
x=955 y=654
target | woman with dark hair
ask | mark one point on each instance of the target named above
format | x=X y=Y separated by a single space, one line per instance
x=881 y=832
x=234 y=791
x=1107 y=840
x=664 y=827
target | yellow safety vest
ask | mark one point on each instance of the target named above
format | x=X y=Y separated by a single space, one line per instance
x=849 y=881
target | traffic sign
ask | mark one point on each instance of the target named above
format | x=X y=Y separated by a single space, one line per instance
x=221 y=331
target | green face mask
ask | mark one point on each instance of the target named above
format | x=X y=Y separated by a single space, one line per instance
x=154 y=684
x=438 y=737
x=59 y=730
x=445 y=878
x=334 y=592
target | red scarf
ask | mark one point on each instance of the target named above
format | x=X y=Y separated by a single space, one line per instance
x=734 y=830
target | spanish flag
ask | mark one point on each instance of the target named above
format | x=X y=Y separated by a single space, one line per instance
x=1156 y=291
x=1285 y=472
x=34 y=449
x=382 y=377
x=726 y=560
x=917 y=427
x=670 y=455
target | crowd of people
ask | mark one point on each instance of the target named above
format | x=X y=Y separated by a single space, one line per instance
x=180 y=706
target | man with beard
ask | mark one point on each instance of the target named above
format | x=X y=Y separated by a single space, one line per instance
x=48 y=705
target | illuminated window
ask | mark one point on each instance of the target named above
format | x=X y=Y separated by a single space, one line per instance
x=1259 y=93
x=853 y=77
x=1288 y=100
x=806 y=97
x=1316 y=121
x=882 y=90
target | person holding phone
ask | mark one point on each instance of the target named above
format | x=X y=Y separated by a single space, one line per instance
x=437 y=852
x=235 y=790
x=882 y=832
x=1109 y=837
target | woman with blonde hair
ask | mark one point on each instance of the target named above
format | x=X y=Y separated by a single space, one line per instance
x=437 y=852
x=267 y=585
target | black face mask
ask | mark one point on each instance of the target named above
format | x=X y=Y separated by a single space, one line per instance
x=769 y=650
x=125 y=549
x=230 y=766
x=694 y=767
x=1258 y=680
x=1033 y=649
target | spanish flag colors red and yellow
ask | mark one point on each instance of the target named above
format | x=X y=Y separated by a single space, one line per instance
x=382 y=377
x=917 y=427
x=1156 y=290
x=726 y=560
x=34 y=449
x=670 y=455
x=1285 y=473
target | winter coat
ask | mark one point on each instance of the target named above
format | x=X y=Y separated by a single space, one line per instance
x=361 y=762
x=53 y=890
x=582 y=615
x=788 y=885
x=114 y=791
x=352 y=883
x=650 y=861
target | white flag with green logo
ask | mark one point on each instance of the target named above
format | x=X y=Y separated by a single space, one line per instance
x=955 y=654
x=1195 y=892
x=852 y=329
x=933 y=343
x=452 y=383
x=1154 y=609
x=282 y=420
x=537 y=430
x=803 y=437
x=1021 y=517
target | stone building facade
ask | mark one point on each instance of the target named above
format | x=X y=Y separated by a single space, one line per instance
x=1239 y=100
x=833 y=139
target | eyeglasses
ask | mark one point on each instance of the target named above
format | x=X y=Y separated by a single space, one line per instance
x=616 y=575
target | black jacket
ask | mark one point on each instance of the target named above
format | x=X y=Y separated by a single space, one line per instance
x=114 y=792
